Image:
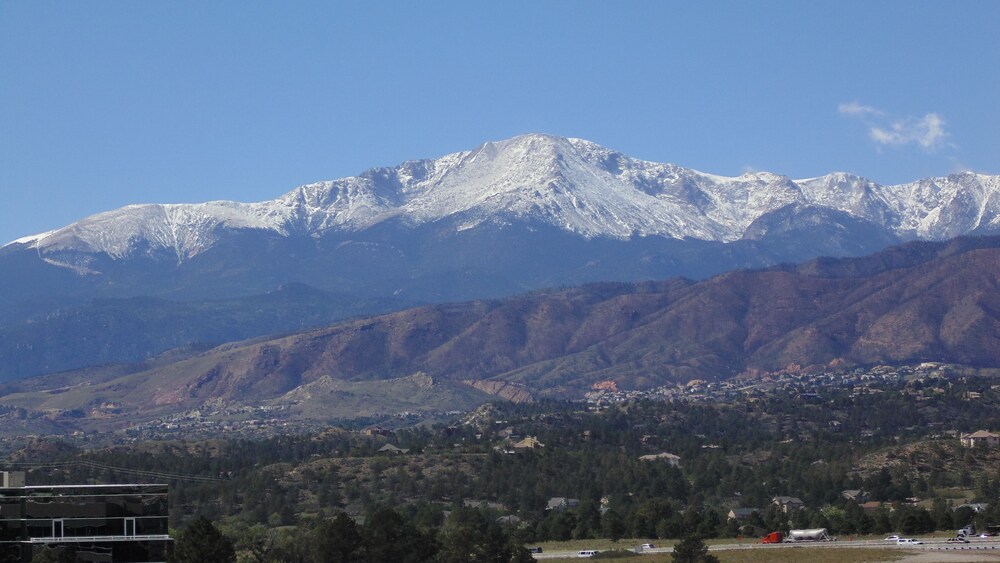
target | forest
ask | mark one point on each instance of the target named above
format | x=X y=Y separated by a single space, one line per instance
x=451 y=486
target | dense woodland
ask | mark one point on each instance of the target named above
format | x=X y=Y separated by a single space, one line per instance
x=898 y=443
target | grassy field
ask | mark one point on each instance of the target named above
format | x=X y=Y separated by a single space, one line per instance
x=812 y=555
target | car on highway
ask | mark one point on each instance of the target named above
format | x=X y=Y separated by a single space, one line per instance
x=908 y=541
x=892 y=538
x=587 y=553
x=957 y=540
x=647 y=546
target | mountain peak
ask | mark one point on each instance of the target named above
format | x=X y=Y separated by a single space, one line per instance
x=572 y=184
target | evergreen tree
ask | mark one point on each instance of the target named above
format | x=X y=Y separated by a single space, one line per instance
x=692 y=549
x=256 y=541
x=882 y=522
x=962 y=516
x=941 y=514
x=389 y=537
x=60 y=554
x=293 y=546
x=588 y=521
x=202 y=542
x=613 y=525
x=469 y=536
x=337 y=541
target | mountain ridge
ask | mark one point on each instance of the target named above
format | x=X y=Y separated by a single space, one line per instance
x=918 y=302
x=508 y=217
x=572 y=184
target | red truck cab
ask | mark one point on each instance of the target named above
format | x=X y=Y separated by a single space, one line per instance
x=773 y=537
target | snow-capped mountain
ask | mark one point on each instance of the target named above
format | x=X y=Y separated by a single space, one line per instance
x=528 y=213
x=572 y=185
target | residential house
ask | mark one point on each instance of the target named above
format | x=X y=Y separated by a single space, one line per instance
x=561 y=504
x=528 y=443
x=982 y=438
x=484 y=504
x=509 y=520
x=871 y=506
x=392 y=450
x=673 y=460
x=857 y=495
x=742 y=513
x=788 y=504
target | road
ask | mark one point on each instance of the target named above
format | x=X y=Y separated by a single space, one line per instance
x=933 y=548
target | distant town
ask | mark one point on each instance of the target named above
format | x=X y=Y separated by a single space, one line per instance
x=242 y=420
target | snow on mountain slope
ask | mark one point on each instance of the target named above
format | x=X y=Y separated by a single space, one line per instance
x=185 y=229
x=572 y=184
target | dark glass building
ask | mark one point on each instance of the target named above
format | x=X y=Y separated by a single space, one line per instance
x=107 y=523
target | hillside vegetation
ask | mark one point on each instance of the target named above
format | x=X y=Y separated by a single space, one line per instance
x=896 y=440
x=914 y=303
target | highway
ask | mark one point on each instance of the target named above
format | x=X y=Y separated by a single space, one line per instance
x=977 y=545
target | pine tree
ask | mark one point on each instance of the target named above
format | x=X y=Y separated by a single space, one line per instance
x=338 y=540
x=692 y=550
x=202 y=542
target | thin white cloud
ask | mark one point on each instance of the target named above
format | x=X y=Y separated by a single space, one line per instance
x=927 y=132
x=854 y=108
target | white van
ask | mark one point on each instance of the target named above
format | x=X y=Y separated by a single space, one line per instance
x=587 y=553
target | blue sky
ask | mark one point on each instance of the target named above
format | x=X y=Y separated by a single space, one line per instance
x=103 y=104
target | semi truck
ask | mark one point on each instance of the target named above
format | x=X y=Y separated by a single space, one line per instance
x=815 y=534
x=773 y=537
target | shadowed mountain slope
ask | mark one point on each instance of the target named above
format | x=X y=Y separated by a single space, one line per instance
x=913 y=303
x=527 y=213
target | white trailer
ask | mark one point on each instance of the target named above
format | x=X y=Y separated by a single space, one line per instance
x=815 y=534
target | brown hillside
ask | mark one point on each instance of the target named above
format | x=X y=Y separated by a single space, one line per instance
x=919 y=302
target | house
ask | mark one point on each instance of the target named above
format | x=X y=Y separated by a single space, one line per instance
x=741 y=513
x=561 y=504
x=484 y=504
x=671 y=459
x=377 y=431
x=857 y=495
x=392 y=450
x=871 y=506
x=788 y=504
x=509 y=520
x=126 y=523
x=528 y=443
x=982 y=438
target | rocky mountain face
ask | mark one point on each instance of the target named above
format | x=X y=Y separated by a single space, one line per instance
x=531 y=212
x=918 y=302
x=571 y=184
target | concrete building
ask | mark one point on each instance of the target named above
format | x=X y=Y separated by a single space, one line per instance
x=124 y=523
